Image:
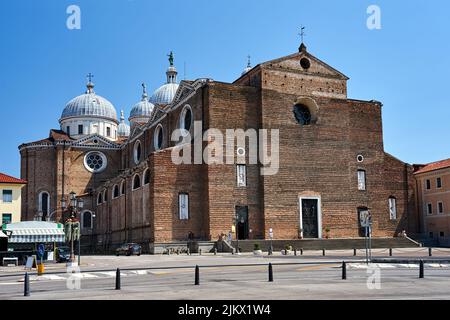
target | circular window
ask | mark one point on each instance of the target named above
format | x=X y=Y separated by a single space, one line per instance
x=158 y=139
x=186 y=118
x=305 y=63
x=360 y=158
x=302 y=114
x=137 y=152
x=95 y=161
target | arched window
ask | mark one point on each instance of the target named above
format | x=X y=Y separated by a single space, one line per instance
x=99 y=198
x=105 y=195
x=44 y=204
x=158 y=138
x=137 y=152
x=186 y=118
x=302 y=114
x=116 y=191
x=122 y=188
x=86 y=220
x=147 y=176
x=136 y=182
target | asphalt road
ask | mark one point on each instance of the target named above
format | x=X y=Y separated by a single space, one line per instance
x=310 y=280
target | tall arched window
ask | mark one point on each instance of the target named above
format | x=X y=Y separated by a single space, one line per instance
x=158 y=137
x=122 y=188
x=105 y=195
x=137 y=152
x=99 y=198
x=116 y=191
x=147 y=176
x=86 y=220
x=392 y=208
x=44 y=204
x=136 y=182
x=186 y=118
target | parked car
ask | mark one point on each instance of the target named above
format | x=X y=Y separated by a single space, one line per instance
x=129 y=249
x=62 y=254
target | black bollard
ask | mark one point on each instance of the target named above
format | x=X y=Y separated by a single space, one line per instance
x=344 y=270
x=118 y=279
x=200 y=252
x=26 y=285
x=270 y=273
x=430 y=252
x=197 y=276
x=323 y=252
x=421 y=275
x=301 y=251
x=390 y=252
x=354 y=251
x=295 y=251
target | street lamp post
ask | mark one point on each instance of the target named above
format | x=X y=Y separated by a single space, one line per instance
x=74 y=205
x=237 y=236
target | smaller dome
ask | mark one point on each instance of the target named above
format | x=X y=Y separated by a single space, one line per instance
x=248 y=67
x=142 y=109
x=124 y=129
x=164 y=94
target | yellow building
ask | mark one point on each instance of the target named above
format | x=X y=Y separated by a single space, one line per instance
x=433 y=195
x=10 y=198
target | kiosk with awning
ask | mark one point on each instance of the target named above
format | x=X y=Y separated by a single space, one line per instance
x=27 y=235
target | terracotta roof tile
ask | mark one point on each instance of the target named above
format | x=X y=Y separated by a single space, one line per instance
x=4 y=178
x=434 y=166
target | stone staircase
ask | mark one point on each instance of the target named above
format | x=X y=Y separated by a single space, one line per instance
x=327 y=244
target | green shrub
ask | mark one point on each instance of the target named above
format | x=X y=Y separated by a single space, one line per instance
x=256 y=246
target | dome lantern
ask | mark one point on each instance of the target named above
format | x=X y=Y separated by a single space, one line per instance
x=165 y=94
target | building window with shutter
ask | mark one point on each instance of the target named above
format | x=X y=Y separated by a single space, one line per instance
x=440 y=206
x=241 y=175
x=183 y=206
x=361 y=180
x=393 y=208
x=438 y=183
x=428 y=184
x=7 y=196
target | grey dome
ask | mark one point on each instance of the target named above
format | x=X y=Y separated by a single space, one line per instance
x=123 y=129
x=89 y=105
x=164 y=94
x=142 y=109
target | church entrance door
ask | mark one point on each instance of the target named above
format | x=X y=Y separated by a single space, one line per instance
x=242 y=222
x=310 y=217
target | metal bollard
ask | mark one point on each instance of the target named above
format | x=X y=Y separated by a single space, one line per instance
x=295 y=251
x=270 y=273
x=354 y=252
x=421 y=275
x=301 y=251
x=26 y=285
x=430 y=254
x=200 y=252
x=390 y=252
x=344 y=270
x=197 y=276
x=323 y=252
x=118 y=279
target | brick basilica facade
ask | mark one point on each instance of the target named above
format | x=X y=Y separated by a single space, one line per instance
x=332 y=164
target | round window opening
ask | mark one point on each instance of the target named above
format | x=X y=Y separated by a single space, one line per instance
x=95 y=161
x=305 y=63
x=360 y=158
x=302 y=114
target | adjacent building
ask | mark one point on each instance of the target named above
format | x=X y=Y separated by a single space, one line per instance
x=332 y=163
x=10 y=201
x=433 y=198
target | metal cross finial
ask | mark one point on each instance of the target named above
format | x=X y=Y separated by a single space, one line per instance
x=248 y=61
x=90 y=76
x=302 y=33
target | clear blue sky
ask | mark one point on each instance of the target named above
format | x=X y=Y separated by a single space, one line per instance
x=124 y=42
